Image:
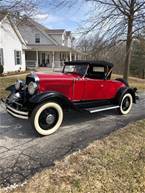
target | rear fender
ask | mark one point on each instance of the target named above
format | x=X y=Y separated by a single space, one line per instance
x=124 y=90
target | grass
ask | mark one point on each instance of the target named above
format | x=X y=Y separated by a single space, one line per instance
x=134 y=82
x=115 y=164
x=7 y=81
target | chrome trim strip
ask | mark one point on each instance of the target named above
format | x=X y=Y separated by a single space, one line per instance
x=104 y=109
x=16 y=111
x=15 y=115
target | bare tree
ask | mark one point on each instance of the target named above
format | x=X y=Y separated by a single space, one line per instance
x=95 y=47
x=16 y=7
x=117 y=20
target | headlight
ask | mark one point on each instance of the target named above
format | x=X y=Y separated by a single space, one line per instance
x=18 y=84
x=32 y=86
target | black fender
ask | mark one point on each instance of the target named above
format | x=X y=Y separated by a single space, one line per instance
x=11 y=88
x=123 y=81
x=121 y=92
x=62 y=100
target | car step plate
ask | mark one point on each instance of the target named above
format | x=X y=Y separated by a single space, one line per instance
x=102 y=108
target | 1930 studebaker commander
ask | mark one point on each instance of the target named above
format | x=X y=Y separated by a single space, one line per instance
x=81 y=85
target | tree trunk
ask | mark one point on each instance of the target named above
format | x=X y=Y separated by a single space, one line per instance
x=129 y=40
x=128 y=49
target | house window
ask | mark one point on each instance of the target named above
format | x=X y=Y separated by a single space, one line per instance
x=37 y=38
x=1 y=56
x=17 y=57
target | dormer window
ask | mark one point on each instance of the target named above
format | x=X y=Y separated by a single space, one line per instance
x=37 y=38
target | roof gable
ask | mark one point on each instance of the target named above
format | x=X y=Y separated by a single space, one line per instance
x=42 y=29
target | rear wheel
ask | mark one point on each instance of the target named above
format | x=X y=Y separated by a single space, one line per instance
x=126 y=104
x=47 y=118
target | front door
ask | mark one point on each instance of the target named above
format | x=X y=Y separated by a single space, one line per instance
x=94 y=89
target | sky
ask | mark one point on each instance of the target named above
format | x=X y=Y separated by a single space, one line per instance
x=64 y=17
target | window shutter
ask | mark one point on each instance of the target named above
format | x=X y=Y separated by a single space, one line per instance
x=20 y=58
x=15 y=56
x=2 y=56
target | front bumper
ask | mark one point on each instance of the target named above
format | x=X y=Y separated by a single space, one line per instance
x=13 y=109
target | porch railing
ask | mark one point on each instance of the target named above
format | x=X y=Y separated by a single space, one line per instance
x=31 y=64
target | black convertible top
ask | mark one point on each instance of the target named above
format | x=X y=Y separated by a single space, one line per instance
x=92 y=63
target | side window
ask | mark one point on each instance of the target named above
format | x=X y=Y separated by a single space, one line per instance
x=37 y=38
x=98 y=69
x=96 y=72
x=18 y=57
x=1 y=57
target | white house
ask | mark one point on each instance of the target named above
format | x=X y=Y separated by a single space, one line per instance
x=12 y=54
x=26 y=44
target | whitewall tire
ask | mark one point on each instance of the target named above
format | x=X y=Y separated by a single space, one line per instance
x=47 y=118
x=126 y=104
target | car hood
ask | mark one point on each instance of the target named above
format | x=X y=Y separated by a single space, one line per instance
x=56 y=76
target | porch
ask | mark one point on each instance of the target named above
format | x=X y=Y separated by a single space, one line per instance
x=51 y=59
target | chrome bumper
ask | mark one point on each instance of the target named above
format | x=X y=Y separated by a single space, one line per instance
x=14 y=112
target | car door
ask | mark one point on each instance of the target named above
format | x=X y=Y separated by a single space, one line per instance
x=94 y=89
x=94 y=83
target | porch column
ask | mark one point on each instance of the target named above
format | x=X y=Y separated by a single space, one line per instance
x=53 y=60
x=75 y=56
x=37 y=62
x=70 y=56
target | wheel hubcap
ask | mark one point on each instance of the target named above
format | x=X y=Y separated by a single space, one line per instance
x=50 y=119
x=126 y=104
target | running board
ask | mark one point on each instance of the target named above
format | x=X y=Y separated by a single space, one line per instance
x=99 y=109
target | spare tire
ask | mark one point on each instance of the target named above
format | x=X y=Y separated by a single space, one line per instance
x=123 y=81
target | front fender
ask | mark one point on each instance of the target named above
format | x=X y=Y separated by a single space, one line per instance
x=11 y=88
x=51 y=96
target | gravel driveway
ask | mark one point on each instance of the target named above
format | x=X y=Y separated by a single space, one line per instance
x=23 y=153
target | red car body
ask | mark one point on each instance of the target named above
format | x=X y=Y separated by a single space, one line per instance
x=77 y=88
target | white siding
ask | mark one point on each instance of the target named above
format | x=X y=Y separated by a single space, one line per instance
x=10 y=42
x=69 y=43
x=28 y=33
x=58 y=38
x=67 y=40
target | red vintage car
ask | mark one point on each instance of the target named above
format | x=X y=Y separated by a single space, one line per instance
x=82 y=85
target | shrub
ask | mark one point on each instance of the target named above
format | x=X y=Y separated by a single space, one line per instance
x=1 y=69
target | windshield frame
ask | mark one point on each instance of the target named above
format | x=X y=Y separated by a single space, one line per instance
x=82 y=75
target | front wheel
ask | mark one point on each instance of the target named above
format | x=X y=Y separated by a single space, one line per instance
x=126 y=104
x=47 y=118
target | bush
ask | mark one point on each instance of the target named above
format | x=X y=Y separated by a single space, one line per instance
x=1 y=69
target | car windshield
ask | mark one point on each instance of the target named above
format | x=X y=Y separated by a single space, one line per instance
x=77 y=69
